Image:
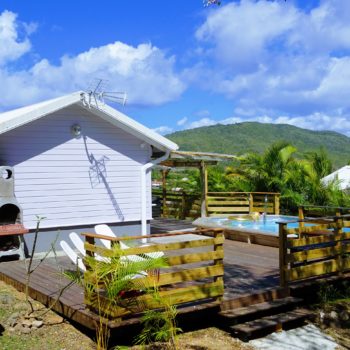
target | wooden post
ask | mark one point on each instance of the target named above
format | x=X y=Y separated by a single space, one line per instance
x=277 y=204
x=217 y=248
x=282 y=227
x=251 y=202
x=183 y=206
x=165 y=173
x=339 y=230
x=204 y=192
x=301 y=217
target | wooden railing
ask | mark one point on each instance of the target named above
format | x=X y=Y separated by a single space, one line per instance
x=315 y=211
x=181 y=205
x=228 y=203
x=179 y=284
x=316 y=249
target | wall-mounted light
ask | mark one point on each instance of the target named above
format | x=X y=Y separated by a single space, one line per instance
x=76 y=130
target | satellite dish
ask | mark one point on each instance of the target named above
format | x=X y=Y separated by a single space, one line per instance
x=96 y=94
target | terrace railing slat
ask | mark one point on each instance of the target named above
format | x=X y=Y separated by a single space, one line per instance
x=319 y=256
x=171 y=283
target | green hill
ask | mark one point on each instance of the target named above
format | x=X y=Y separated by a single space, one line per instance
x=252 y=136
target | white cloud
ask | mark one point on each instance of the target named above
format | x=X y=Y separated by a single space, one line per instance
x=12 y=47
x=316 y=121
x=144 y=72
x=163 y=130
x=239 y=33
x=182 y=121
x=201 y=122
x=276 y=57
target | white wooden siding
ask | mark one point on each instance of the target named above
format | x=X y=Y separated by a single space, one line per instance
x=52 y=170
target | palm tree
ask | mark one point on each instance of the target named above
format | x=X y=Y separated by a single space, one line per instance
x=265 y=172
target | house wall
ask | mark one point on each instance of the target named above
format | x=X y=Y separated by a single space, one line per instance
x=48 y=238
x=56 y=175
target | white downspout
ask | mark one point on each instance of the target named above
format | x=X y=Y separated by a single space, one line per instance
x=144 y=169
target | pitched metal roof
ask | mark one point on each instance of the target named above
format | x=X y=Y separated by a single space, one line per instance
x=342 y=176
x=21 y=116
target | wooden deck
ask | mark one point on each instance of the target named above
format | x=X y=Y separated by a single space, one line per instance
x=160 y=225
x=248 y=269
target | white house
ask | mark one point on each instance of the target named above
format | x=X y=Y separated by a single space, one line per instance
x=78 y=165
x=341 y=176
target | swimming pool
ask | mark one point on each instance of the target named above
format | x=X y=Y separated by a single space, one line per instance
x=263 y=231
x=267 y=225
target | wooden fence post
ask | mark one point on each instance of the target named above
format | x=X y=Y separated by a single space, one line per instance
x=251 y=203
x=277 y=204
x=301 y=217
x=204 y=182
x=183 y=206
x=282 y=253
x=217 y=248
x=339 y=230
x=165 y=173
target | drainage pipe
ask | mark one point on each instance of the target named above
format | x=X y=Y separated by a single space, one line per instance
x=144 y=170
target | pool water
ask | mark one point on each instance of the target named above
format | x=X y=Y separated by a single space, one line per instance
x=267 y=224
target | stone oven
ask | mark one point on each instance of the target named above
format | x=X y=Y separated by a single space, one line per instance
x=11 y=226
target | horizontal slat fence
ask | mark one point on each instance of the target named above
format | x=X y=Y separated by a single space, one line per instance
x=316 y=249
x=179 y=283
x=181 y=205
x=229 y=203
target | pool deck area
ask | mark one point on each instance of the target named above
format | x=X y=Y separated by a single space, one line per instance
x=250 y=271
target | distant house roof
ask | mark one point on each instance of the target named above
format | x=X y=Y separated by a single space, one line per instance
x=341 y=175
x=21 y=116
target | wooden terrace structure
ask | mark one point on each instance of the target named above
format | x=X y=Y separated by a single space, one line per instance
x=183 y=205
x=231 y=280
x=250 y=273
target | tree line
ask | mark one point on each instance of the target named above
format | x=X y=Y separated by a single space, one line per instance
x=277 y=169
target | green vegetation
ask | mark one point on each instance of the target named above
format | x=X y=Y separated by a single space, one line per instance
x=329 y=293
x=116 y=282
x=277 y=169
x=246 y=137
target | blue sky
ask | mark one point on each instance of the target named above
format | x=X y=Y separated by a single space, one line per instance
x=184 y=65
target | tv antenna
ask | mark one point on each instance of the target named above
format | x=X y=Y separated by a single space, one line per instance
x=96 y=94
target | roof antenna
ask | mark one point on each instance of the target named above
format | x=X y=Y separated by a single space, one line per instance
x=96 y=94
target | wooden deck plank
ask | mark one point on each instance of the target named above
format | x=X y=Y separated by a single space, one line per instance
x=248 y=268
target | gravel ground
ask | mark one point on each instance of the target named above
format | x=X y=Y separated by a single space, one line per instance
x=58 y=334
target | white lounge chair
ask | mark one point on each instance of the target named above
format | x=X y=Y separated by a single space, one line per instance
x=79 y=245
x=77 y=242
x=77 y=260
x=105 y=230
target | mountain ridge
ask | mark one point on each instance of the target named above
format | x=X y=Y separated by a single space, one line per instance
x=240 y=138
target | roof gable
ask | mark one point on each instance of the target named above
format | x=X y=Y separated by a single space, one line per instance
x=21 y=116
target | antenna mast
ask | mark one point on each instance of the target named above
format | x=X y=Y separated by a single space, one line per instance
x=96 y=94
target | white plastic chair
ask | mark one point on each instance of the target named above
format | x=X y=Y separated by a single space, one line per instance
x=79 y=245
x=72 y=255
x=105 y=230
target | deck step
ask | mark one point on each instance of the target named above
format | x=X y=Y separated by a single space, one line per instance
x=246 y=313
x=269 y=324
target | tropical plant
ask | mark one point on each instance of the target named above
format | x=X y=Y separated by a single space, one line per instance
x=265 y=172
x=160 y=326
x=298 y=180
x=117 y=282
